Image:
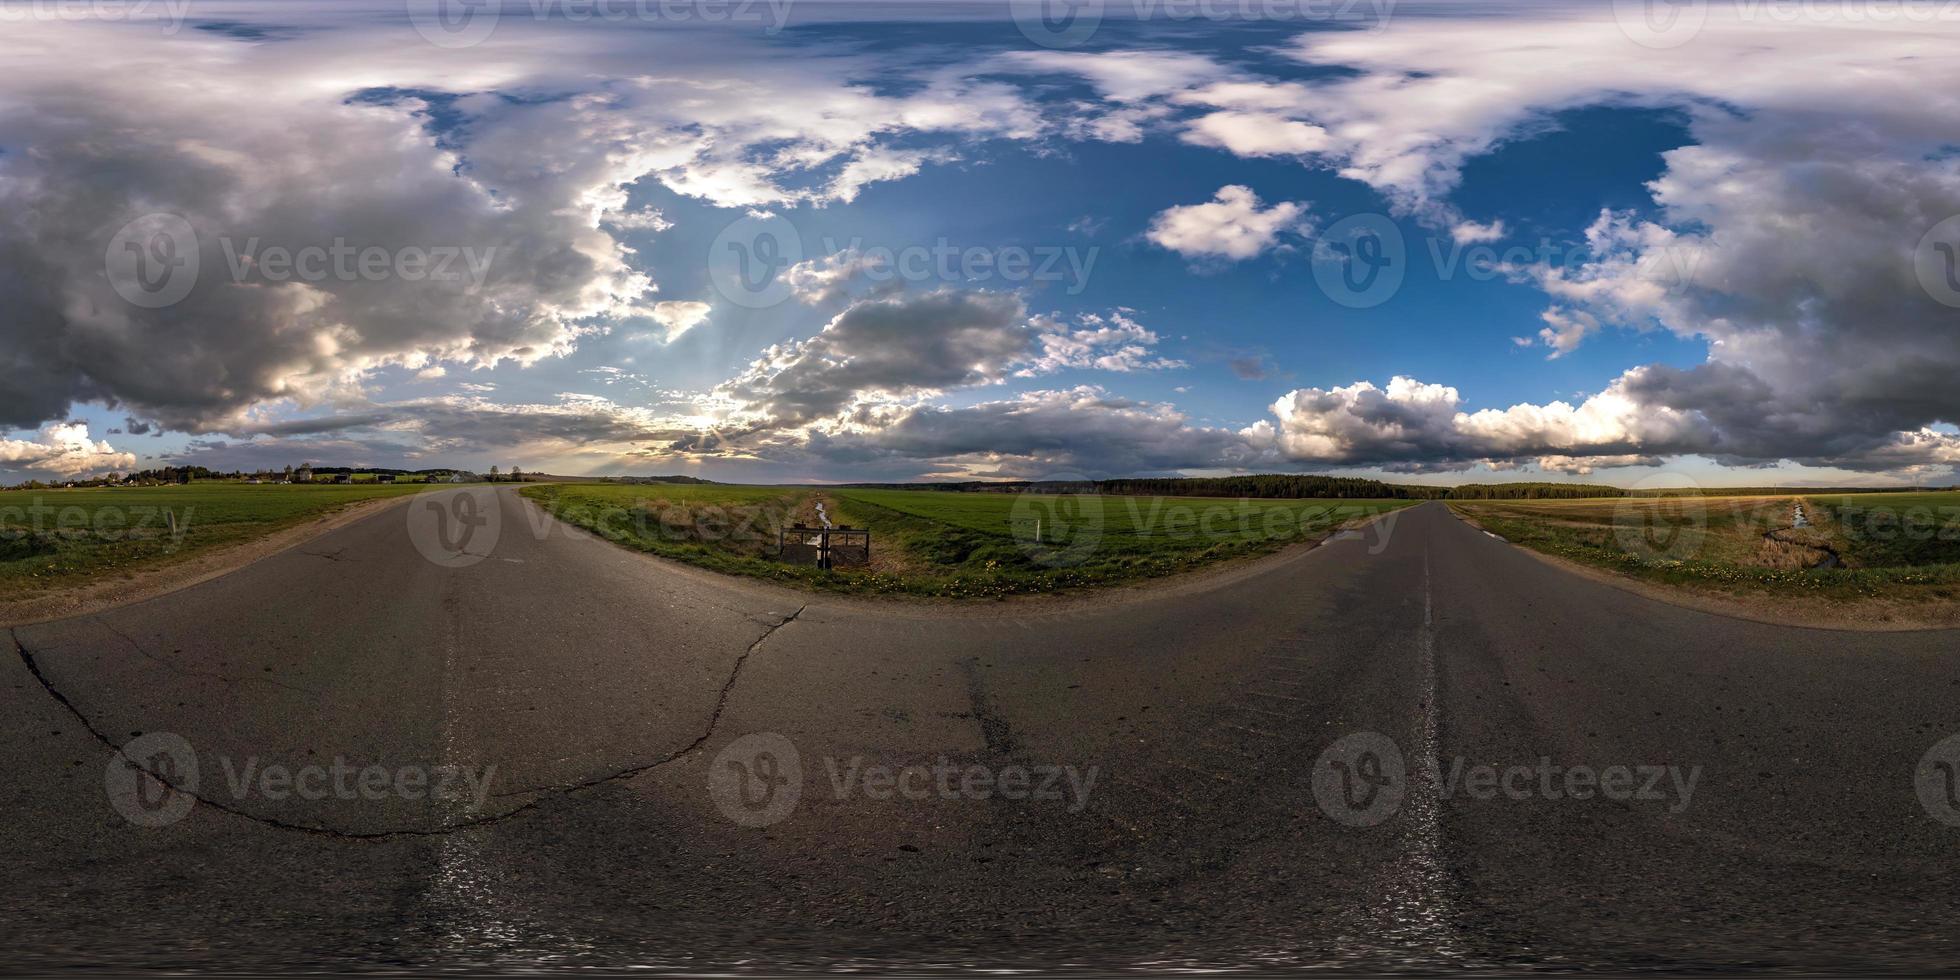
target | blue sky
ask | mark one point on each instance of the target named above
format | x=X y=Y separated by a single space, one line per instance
x=1613 y=266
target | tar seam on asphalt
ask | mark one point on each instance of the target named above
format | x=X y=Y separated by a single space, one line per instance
x=714 y=719
x=993 y=728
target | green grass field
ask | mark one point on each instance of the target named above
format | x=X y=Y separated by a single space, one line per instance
x=936 y=543
x=53 y=538
x=1857 y=546
x=1895 y=529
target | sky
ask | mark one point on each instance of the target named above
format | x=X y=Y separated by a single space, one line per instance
x=1648 y=244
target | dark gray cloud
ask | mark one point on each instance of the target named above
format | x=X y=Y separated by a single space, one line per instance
x=1250 y=368
x=890 y=348
x=421 y=154
x=1083 y=430
x=900 y=347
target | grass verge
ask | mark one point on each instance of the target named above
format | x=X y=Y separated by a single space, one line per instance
x=53 y=539
x=944 y=544
x=1849 y=548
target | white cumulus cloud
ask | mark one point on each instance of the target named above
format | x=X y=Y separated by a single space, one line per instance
x=1232 y=226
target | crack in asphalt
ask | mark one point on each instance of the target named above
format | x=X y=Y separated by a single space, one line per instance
x=714 y=721
x=334 y=555
x=34 y=668
x=187 y=671
x=546 y=792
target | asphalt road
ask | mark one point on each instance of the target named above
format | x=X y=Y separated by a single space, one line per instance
x=649 y=766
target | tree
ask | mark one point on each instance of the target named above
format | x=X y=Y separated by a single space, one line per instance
x=493 y=473
x=516 y=475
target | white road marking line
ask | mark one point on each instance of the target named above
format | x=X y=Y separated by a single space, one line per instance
x=1418 y=894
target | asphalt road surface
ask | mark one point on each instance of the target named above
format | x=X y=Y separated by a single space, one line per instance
x=1416 y=749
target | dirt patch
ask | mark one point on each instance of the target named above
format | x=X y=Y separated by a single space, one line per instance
x=149 y=583
x=888 y=557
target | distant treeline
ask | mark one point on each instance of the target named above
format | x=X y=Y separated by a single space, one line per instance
x=1283 y=485
x=1573 y=491
x=1532 y=491
x=655 y=479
